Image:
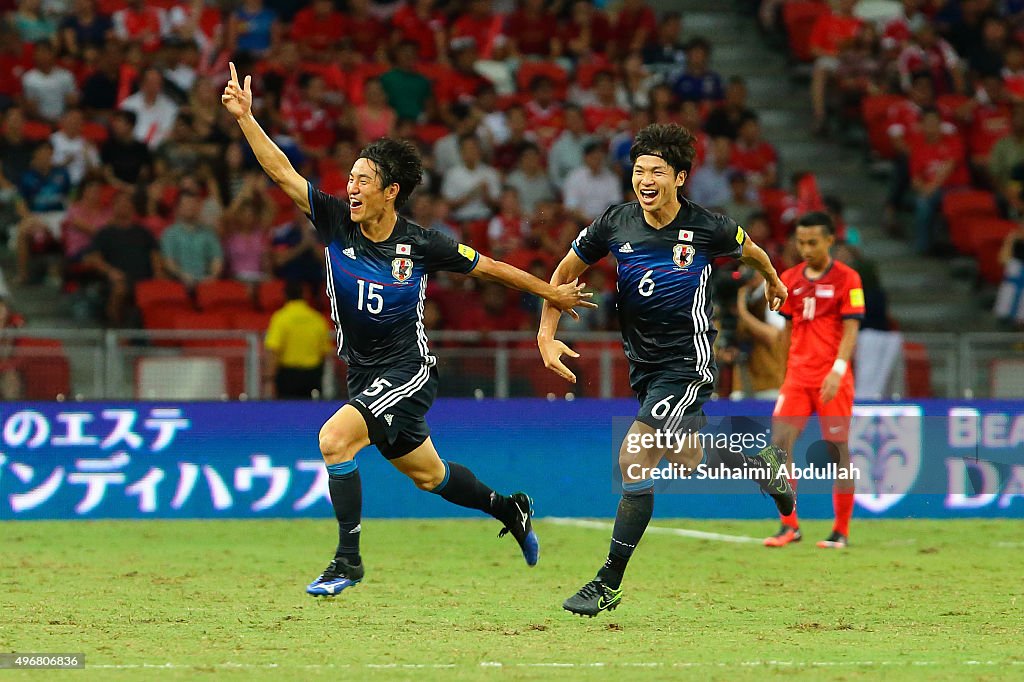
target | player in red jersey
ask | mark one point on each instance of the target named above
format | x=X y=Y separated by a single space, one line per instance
x=823 y=312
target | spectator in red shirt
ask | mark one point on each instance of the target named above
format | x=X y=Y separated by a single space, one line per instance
x=367 y=32
x=635 y=24
x=483 y=26
x=927 y=52
x=463 y=82
x=937 y=163
x=421 y=22
x=544 y=113
x=755 y=156
x=588 y=31
x=602 y=112
x=317 y=28
x=311 y=118
x=1013 y=71
x=140 y=24
x=530 y=31
x=988 y=116
x=828 y=34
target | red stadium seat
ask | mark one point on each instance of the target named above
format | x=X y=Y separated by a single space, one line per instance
x=270 y=295
x=917 y=370
x=799 y=18
x=201 y=320
x=36 y=131
x=586 y=71
x=989 y=268
x=969 y=201
x=163 y=315
x=874 y=110
x=96 y=133
x=154 y=291
x=223 y=294
x=44 y=368
x=986 y=231
x=250 y=320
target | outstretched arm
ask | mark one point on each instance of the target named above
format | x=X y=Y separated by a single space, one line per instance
x=551 y=349
x=560 y=298
x=774 y=290
x=238 y=100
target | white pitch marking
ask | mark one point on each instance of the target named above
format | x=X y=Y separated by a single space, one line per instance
x=682 y=532
x=498 y=664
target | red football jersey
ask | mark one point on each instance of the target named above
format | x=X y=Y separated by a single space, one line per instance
x=817 y=308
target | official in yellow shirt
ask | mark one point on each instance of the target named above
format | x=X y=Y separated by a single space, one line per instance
x=296 y=345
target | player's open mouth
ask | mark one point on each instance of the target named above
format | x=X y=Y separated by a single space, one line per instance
x=354 y=204
x=648 y=195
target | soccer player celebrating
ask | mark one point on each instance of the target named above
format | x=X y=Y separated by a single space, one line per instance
x=664 y=245
x=377 y=267
x=824 y=314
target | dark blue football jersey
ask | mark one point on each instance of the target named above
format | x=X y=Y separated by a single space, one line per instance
x=664 y=289
x=377 y=289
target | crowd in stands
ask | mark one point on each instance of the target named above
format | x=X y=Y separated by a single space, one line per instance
x=939 y=87
x=119 y=163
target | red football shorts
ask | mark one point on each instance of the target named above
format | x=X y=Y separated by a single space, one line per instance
x=797 y=403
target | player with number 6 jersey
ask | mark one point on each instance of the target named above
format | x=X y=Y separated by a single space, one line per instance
x=824 y=310
x=665 y=246
x=377 y=265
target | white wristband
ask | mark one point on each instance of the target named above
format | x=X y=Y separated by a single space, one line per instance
x=839 y=366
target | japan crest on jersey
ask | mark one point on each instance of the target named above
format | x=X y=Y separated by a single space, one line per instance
x=401 y=268
x=682 y=255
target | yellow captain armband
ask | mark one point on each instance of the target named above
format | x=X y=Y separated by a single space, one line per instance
x=740 y=235
x=857 y=298
x=467 y=252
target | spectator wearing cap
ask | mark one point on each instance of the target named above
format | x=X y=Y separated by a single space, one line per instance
x=472 y=187
x=592 y=188
x=566 y=153
x=698 y=82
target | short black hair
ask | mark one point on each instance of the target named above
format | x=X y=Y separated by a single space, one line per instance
x=294 y=290
x=671 y=142
x=398 y=162
x=817 y=219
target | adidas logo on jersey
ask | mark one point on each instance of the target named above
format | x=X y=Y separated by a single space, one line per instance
x=389 y=418
x=626 y=248
x=350 y=252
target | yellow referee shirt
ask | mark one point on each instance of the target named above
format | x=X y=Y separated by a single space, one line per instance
x=298 y=335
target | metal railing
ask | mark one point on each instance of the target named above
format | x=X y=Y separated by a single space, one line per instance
x=71 y=364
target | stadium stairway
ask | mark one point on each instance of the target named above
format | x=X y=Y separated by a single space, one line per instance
x=924 y=294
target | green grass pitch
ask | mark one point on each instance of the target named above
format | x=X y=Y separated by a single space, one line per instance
x=448 y=600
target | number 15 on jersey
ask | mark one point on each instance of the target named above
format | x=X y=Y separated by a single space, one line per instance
x=370 y=298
